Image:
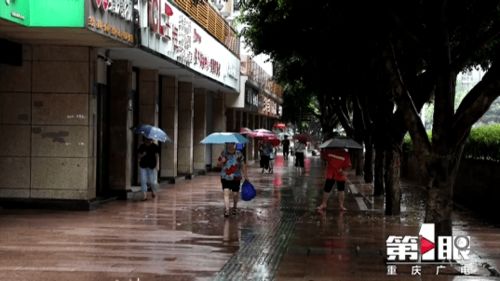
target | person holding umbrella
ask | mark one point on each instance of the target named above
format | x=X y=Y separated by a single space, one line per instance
x=149 y=156
x=338 y=161
x=265 y=149
x=149 y=164
x=286 y=147
x=300 y=149
x=233 y=169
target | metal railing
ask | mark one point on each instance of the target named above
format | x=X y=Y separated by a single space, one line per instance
x=257 y=74
x=207 y=17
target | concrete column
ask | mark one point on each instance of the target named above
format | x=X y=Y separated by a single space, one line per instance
x=230 y=119
x=238 y=120
x=148 y=96
x=15 y=124
x=200 y=128
x=244 y=119
x=219 y=123
x=247 y=122
x=185 y=145
x=47 y=110
x=120 y=134
x=148 y=101
x=250 y=121
x=256 y=125
x=169 y=120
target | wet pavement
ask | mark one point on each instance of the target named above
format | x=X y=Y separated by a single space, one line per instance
x=182 y=235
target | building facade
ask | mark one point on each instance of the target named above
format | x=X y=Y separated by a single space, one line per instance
x=77 y=76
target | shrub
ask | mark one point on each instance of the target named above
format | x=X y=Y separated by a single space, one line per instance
x=483 y=143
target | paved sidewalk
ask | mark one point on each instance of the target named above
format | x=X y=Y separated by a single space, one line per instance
x=182 y=235
x=351 y=245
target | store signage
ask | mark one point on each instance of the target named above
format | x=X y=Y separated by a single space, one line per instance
x=112 y=18
x=168 y=31
x=57 y=13
x=15 y=11
x=47 y=13
x=267 y=106
x=104 y=4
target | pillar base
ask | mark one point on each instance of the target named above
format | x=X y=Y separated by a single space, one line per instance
x=54 y=204
x=188 y=176
x=173 y=180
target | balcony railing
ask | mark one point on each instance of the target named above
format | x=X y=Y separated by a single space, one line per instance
x=257 y=74
x=207 y=17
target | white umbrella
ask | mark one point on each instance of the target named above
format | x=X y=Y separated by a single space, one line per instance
x=341 y=142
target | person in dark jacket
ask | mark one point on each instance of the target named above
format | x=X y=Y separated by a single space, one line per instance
x=149 y=164
x=286 y=147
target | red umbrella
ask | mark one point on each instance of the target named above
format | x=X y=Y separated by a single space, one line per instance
x=273 y=140
x=302 y=137
x=280 y=125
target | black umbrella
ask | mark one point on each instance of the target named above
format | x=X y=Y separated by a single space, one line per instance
x=341 y=142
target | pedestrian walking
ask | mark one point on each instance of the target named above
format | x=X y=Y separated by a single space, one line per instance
x=265 y=149
x=272 y=155
x=242 y=148
x=233 y=170
x=149 y=164
x=286 y=147
x=300 y=149
x=338 y=161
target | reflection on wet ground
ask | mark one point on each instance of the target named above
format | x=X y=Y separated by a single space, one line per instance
x=183 y=235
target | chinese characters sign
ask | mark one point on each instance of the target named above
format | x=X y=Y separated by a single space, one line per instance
x=112 y=18
x=168 y=31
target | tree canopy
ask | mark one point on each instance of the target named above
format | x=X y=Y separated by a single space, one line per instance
x=390 y=52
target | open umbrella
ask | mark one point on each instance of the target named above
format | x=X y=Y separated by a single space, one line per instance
x=341 y=142
x=280 y=125
x=302 y=137
x=262 y=133
x=152 y=132
x=245 y=130
x=273 y=140
x=224 y=137
x=262 y=130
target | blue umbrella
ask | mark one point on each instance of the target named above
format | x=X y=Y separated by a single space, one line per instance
x=224 y=137
x=152 y=132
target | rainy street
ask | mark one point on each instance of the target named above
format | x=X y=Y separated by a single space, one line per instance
x=183 y=235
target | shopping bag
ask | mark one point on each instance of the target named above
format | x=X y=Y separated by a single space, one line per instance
x=247 y=191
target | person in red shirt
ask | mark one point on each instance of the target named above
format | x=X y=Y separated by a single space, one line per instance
x=338 y=161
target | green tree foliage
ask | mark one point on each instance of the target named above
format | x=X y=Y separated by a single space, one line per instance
x=406 y=52
x=484 y=143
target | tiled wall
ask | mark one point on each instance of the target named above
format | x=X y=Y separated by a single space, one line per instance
x=46 y=123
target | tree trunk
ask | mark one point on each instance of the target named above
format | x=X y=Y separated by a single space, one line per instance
x=359 y=162
x=440 y=193
x=368 y=169
x=392 y=183
x=378 y=186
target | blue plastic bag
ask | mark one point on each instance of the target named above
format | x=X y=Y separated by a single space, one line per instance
x=247 y=191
